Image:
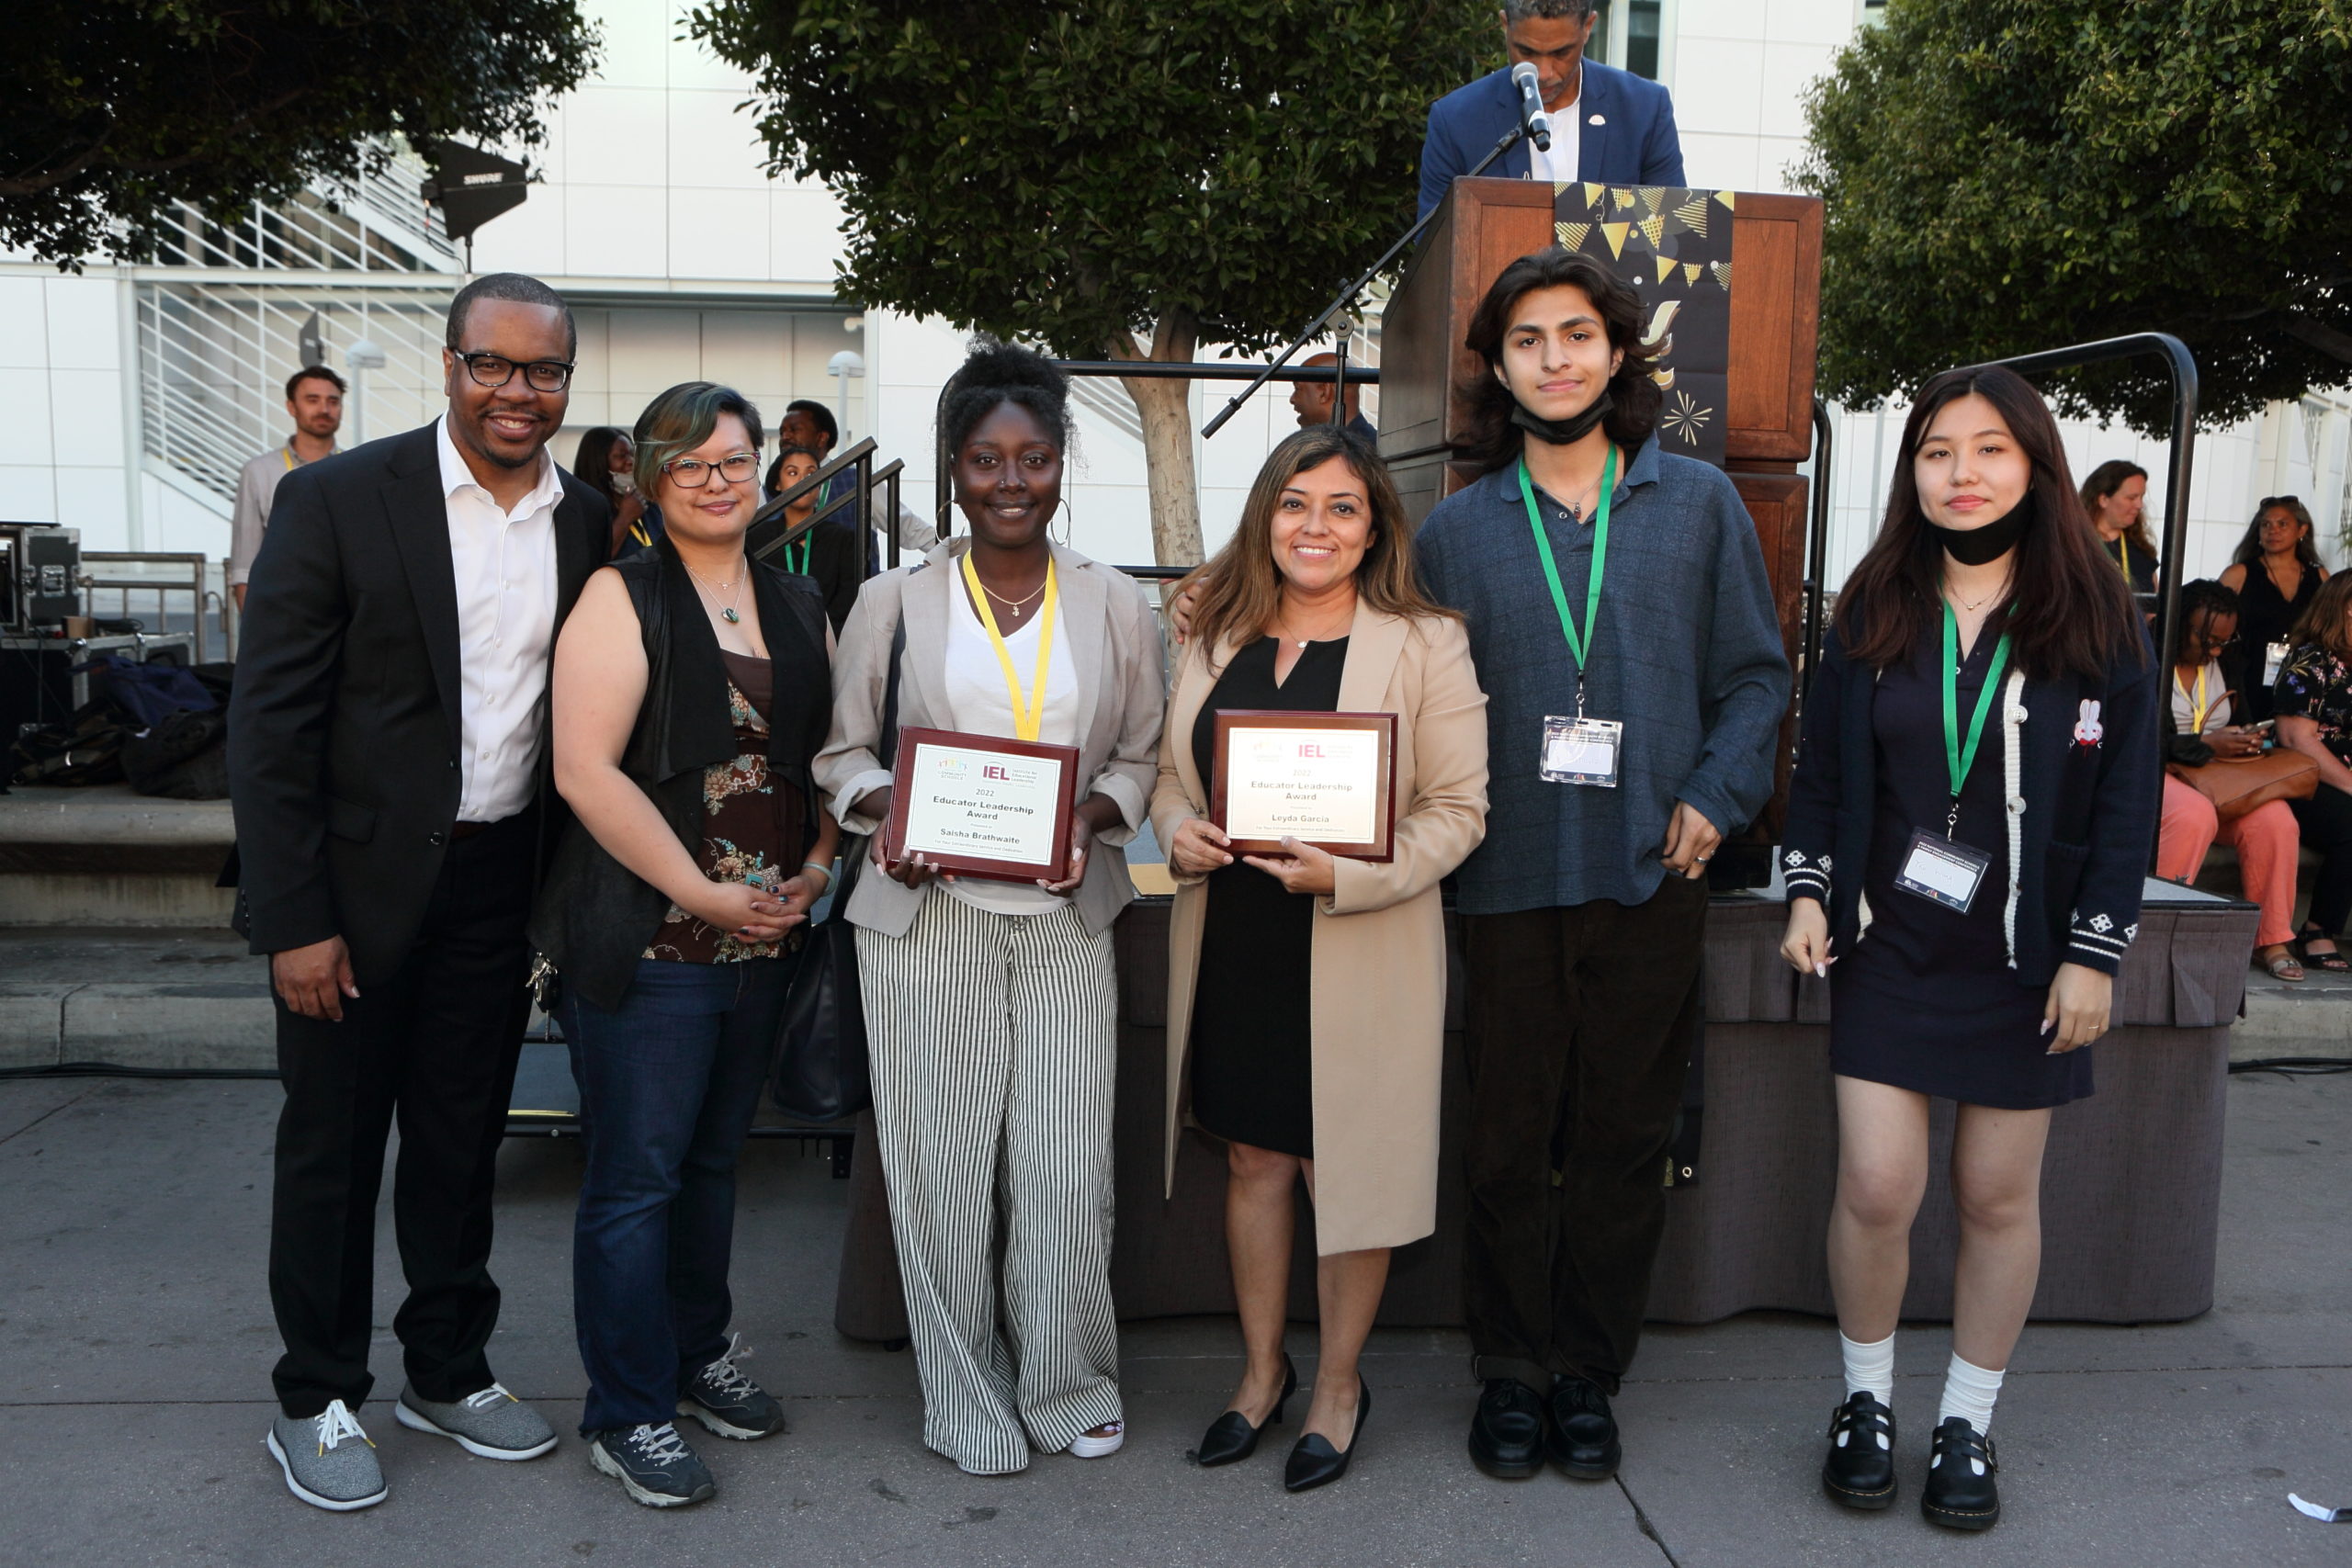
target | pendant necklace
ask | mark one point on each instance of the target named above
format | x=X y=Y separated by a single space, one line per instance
x=726 y=612
x=1012 y=604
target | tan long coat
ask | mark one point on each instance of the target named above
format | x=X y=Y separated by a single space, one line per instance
x=1378 y=974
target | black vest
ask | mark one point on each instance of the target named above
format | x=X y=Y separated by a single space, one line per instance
x=594 y=917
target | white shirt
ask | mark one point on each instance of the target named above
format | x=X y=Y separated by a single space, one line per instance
x=2183 y=701
x=1559 y=166
x=504 y=563
x=982 y=705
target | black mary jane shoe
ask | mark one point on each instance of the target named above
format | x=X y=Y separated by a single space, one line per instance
x=1859 y=1471
x=1961 y=1493
x=1507 y=1434
x=1230 y=1437
x=1315 y=1463
x=2332 y=963
x=1581 y=1436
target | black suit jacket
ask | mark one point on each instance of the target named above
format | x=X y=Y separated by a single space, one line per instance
x=343 y=725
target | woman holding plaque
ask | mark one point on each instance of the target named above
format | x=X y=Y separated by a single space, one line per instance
x=690 y=692
x=1968 y=830
x=989 y=1003
x=1311 y=609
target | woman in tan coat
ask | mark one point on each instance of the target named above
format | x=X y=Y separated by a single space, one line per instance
x=1306 y=993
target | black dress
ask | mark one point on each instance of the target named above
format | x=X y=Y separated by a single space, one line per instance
x=2265 y=616
x=1252 y=1019
x=1926 y=999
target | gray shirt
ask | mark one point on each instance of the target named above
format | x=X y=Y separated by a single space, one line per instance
x=256 y=488
x=1687 y=655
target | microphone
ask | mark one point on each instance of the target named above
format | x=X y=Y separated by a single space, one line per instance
x=1532 y=117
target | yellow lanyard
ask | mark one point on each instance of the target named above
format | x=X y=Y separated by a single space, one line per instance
x=2197 y=706
x=1028 y=716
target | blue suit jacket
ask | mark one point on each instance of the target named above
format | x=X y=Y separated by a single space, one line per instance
x=1635 y=144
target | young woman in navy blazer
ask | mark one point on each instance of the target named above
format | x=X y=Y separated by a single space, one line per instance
x=1969 y=824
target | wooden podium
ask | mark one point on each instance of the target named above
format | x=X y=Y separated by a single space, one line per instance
x=1775 y=316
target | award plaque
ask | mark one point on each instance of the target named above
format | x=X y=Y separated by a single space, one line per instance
x=982 y=804
x=1327 y=779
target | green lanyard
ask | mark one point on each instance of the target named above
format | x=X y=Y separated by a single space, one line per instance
x=1956 y=759
x=1580 y=643
x=802 y=569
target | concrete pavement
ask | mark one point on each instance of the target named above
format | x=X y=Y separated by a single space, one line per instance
x=135 y=1343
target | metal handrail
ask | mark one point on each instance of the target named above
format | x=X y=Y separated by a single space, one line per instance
x=193 y=586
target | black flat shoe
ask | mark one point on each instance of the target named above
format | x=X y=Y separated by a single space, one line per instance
x=1581 y=1436
x=1507 y=1434
x=1230 y=1437
x=1315 y=1463
x=1859 y=1471
x=1961 y=1493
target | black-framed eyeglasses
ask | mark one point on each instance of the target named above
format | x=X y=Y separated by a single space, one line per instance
x=496 y=370
x=692 y=473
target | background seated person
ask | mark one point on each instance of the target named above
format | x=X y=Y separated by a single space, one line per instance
x=1609 y=127
x=2314 y=706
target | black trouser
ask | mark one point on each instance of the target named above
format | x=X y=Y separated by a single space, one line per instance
x=1579 y=1027
x=2326 y=820
x=434 y=1045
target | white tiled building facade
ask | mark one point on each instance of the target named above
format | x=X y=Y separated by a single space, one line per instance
x=686 y=261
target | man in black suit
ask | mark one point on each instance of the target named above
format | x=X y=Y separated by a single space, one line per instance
x=388 y=765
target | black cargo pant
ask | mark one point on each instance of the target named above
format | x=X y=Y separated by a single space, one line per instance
x=1579 y=1022
x=434 y=1045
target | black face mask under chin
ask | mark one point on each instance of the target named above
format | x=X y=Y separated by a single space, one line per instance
x=1975 y=546
x=1563 y=432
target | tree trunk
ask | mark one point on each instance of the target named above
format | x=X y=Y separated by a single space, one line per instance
x=1166 y=409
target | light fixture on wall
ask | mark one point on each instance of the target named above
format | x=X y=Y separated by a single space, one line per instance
x=842 y=367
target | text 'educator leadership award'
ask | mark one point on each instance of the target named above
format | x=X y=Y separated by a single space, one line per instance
x=982 y=805
x=1327 y=779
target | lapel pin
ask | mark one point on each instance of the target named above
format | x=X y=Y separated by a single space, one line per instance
x=1598 y=120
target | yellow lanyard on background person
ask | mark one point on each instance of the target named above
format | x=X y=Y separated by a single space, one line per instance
x=2197 y=706
x=1028 y=714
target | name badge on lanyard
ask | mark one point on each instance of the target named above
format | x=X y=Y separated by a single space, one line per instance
x=1578 y=749
x=1945 y=871
x=2274 y=658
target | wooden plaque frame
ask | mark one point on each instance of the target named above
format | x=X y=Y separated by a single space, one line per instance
x=1383 y=725
x=912 y=738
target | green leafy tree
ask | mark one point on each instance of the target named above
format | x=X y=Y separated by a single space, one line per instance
x=112 y=110
x=2008 y=176
x=1109 y=178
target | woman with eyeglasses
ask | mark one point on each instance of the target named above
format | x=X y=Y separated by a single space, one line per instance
x=2274 y=573
x=2203 y=726
x=2314 y=698
x=691 y=692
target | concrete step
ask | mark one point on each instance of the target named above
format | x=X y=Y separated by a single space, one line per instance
x=106 y=855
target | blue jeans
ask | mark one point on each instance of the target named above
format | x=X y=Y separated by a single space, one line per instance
x=668 y=1084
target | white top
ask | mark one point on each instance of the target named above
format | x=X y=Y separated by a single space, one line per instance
x=1559 y=166
x=982 y=705
x=504 y=563
x=2183 y=701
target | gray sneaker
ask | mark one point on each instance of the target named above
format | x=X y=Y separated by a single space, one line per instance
x=729 y=1403
x=493 y=1424
x=654 y=1465
x=328 y=1460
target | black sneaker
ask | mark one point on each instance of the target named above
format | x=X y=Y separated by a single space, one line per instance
x=729 y=1403
x=654 y=1465
x=1859 y=1471
x=1507 y=1434
x=1961 y=1493
x=1581 y=1436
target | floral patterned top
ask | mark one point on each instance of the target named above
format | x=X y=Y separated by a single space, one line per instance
x=750 y=830
x=2315 y=684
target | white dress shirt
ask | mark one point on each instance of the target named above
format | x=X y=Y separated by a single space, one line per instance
x=1559 y=166
x=504 y=563
x=982 y=705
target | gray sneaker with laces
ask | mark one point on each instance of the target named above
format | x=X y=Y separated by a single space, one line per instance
x=492 y=1423
x=654 y=1465
x=729 y=1403
x=329 y=1462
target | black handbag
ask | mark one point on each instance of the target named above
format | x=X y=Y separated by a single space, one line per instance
x=819 y=1071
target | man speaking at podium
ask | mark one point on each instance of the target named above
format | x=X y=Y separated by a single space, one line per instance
x=1609 y=127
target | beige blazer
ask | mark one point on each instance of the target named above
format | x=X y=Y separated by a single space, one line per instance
x=1378 y=974
x=1114 y=644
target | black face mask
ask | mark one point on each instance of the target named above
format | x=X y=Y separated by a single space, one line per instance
x=1563 y=432
x=1975 y=546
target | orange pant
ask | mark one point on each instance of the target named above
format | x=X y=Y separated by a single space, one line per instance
x=2265 y=838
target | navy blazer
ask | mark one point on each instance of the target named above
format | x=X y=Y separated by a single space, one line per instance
x=1634 y=144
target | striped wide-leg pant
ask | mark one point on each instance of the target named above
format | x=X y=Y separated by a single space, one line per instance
x=993 y=1041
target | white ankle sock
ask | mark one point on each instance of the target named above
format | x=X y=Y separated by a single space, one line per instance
x=1870 y=1368
x=1968 y=1393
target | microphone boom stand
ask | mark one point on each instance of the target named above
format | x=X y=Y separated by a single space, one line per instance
x=1347 y=300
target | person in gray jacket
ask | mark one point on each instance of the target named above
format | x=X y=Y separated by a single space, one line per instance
x=990 y=1004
